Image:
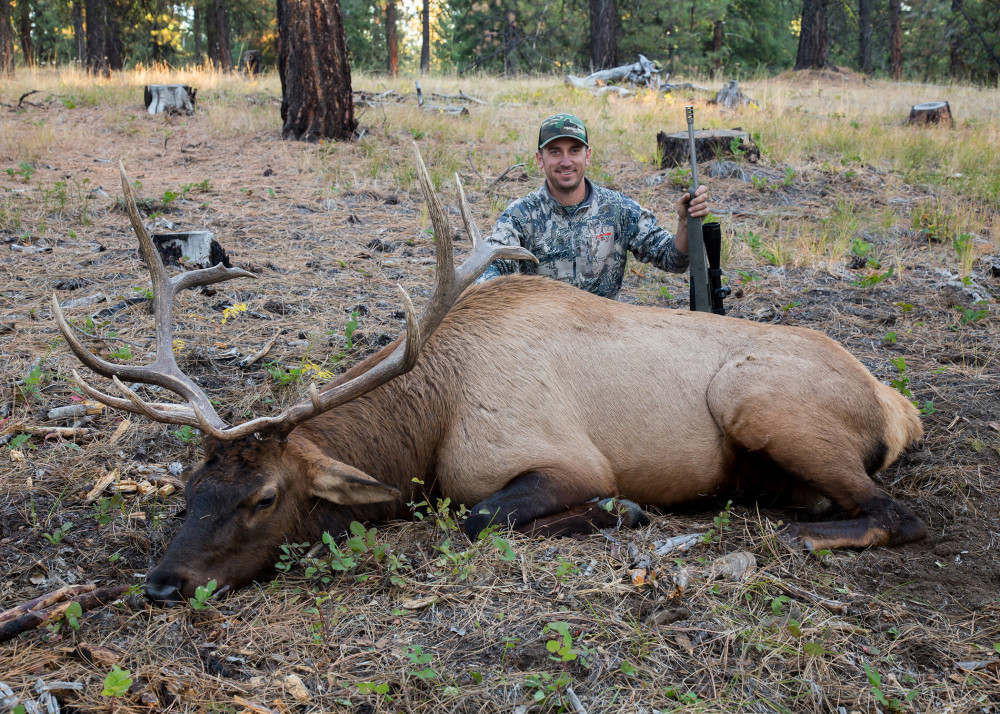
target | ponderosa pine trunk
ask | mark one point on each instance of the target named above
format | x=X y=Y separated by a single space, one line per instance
x=896 y=39
x=197 y=21
x=603 y=34
x=6 y=40
x=97 y=37
x=955 y=65
x=865 y=36
x=391 y=39
x=79 y=35
x=113 y=37
x=24 y=31
x=717 y=38
x=812 y=40
x=425 y=43
x=316 y=101
x=217 y=25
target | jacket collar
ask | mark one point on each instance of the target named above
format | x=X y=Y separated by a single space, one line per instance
x=547 y=195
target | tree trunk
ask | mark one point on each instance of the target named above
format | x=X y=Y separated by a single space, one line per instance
x=603 y=34
x=78 y=33
x=717 y=46
x=425 y=45
x=509 y=67
x=812 y=39
x=24 y=31
x=113 y=37
x=217 y=30
x=391 y=39
x=197 y=21
x=865 y=36
x=316 y=100
x=955 y=65
x=895 y=39
x=6 y=40
x=97 y=37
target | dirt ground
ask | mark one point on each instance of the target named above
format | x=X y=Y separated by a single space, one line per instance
x=331 y=230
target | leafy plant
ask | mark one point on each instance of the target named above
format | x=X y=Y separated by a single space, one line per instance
x=875 y=682
x=421 y=659
x=56 y=536
x=106 y=509
x=975 y=314
x=187 y=434
x=202 y=594
x=18 y=441
x=721 y=522
x=121 y=353
x=868 y=281
x=116 y=683
x=74 y=612
x=550 y=692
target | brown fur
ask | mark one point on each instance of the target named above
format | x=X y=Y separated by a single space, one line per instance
x=527 y=375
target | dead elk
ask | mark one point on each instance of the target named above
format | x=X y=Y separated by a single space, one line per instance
x=527 y=398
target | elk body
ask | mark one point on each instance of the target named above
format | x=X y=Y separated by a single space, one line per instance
x=525 y=398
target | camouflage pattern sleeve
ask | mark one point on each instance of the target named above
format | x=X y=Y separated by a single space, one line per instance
x=508 y=230
x=650 y=242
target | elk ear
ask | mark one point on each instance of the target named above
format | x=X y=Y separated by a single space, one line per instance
x=348 y=486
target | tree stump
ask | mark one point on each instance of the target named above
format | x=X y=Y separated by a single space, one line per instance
x=250 y=62
x=708 y=144
x=170 y=98
x=190 y=249
x=931 y=113
x=731 y=97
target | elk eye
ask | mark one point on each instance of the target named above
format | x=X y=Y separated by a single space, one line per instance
x=266 y=501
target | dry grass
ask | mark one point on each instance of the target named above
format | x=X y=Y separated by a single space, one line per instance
x=806 y=248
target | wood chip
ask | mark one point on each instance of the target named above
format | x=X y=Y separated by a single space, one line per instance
x=102 y=483
x=419 y=603
x=119 y=432
x=252 y=705
x=297 y=689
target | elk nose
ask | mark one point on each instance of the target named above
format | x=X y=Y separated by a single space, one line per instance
x=165 y=588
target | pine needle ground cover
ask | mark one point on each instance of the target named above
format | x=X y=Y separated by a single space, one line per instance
x=883 y=236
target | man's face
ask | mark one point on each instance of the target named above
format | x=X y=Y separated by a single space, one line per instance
x=564 y=162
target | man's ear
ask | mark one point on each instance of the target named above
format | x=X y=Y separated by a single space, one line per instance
x=588 y=156
x=538 y=158
x=347 y=486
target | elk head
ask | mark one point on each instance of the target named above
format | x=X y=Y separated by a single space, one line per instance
x=257 y=487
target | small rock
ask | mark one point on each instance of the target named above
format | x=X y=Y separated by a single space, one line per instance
x=175 y=468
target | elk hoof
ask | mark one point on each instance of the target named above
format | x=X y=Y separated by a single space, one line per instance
x=629 y=513
x=796 y=536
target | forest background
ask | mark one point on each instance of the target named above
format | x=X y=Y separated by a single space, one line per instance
x=924 y=40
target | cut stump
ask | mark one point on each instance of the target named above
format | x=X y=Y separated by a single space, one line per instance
x=250 y=62
x=709 y=144
x=731 y=97
x=190 y=250
x=931 y=113
x=170 y=98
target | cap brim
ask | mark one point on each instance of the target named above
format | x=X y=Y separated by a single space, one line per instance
x=562 y=136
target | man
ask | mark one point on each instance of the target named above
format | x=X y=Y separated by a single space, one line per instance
x=581 y=233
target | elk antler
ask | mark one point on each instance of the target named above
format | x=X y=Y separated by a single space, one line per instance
x=199 y=412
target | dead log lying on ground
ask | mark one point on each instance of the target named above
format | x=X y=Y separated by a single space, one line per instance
x=52 y=606
x=931 y=113
x=709 y=144
x=642 y=73
x=170 y=98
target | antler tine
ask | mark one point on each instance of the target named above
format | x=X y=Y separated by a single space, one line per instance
x=163 y=371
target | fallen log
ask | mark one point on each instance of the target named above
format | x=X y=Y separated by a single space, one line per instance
x=643 y=72
x=709 y=144
x=931 y=113
x=20 y=623
x=190 y=249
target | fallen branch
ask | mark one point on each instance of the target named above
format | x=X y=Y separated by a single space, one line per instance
x=17 y=624
x=256 y=356
x=63 y=432
x=46 y=600
x=25 y=95
x=502 y=176
x=834 y=606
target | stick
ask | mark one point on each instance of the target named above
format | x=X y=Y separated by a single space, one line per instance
x=472 y=163
x=88 y=601
x=834 y=606
x=256 y=356
x=502 y=176
x=46 y=600
x=25 y=95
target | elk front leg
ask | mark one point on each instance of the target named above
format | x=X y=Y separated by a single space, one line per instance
x=535 y=503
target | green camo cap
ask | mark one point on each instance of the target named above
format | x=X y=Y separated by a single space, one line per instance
x=559 y=126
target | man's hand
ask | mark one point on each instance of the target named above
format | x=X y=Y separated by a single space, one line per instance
x=698 y=208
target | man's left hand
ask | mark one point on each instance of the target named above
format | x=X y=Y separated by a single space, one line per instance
x=696 y=207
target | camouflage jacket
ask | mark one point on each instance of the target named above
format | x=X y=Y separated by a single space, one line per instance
x=589 y=248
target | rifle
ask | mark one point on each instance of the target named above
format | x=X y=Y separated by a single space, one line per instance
x=704 y=247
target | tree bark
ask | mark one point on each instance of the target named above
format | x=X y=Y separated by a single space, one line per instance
x=97 y=37
x=717 y=46
x=197 y=20
x=24 y=31
x=391 y=39
x=865 y=36
x=217 y=21
x=603 y=34
x=425 y=45
x=895 y=39
x=78 y=32
x=113 y=37
x=6 y=40
x=812 y=40
x=955 y=65
x=509 y=37
x=316 y=101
